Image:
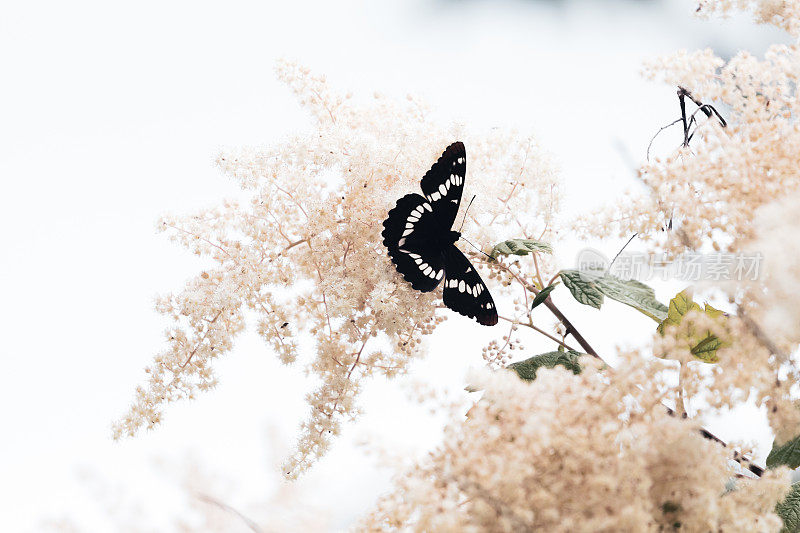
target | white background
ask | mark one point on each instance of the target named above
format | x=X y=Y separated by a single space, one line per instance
x=111 y=116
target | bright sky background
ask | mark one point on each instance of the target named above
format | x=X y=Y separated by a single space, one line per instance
x=111 y=116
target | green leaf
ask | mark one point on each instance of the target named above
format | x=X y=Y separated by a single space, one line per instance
x=788 y=454
x=707 y=348
x=527 y=369
x=681 y=304
x=589 y=288
x=789 y=510
x=704 y=344
x=670 y=507
x=633 y=293
x=520 y=247
x=714 y=313
x=582 y=287
x=542 y=296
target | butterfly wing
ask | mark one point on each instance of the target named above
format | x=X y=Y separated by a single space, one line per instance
x=408 y=235
x=443 y=184
x=464 y=290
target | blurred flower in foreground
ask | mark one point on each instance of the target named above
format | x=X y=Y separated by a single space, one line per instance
x=573 y=453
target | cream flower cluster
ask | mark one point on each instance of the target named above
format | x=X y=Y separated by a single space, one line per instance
x=304 y=254
x=598 y=451
x=712 y=190
x=594 y=452
x=733 y=190
x=781 y=13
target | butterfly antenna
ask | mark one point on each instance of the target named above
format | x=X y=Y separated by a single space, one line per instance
x=462 y=227
x=465 y=215
x=476 y=248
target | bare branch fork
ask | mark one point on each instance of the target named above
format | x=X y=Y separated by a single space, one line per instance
x=570 y=328
x=707 y=109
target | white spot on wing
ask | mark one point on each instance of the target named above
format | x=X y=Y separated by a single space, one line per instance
x=435 y=196
x=427 y=206
x=409 y=225
x=427 y=271
x=440 y=274
x=406 y=233
x=461 y=286
x=442 y=189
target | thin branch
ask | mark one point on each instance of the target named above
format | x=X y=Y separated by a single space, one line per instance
x=473 y=490
x=355 y=363
x=508 y=338
x=225 y=507
x=200 y=342
x=358 y=357
x=196 y=236
x=294 y=200
x=759 y=334
x=741 y=459
x=572 y=330
x=620 y=251
x=657 y=134
x=538 y=274
x=538 y=330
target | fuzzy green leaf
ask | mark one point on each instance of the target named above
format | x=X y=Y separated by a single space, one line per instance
x=704 y=344
x=681 y=304
x=789 y=510
x=542 y=296
x=520 y=247
x=633 y=293
x=582 y=287
x=788 y=454
x=527 y=369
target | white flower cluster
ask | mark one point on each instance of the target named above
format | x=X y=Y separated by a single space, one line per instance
x=305 y=255
x=781 y=13
x=594 y=452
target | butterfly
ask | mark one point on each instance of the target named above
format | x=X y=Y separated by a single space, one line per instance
x=421 y=243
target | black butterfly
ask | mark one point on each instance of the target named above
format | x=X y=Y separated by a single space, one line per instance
x=422 y=245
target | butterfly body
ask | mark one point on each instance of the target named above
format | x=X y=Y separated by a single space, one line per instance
x=421 y=244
